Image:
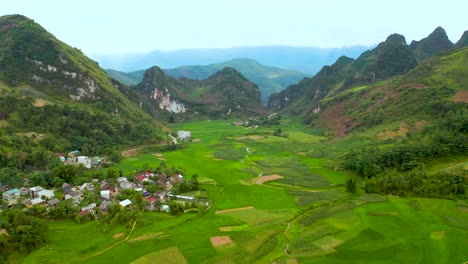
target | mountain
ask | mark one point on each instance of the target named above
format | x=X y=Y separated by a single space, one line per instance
x=436 y=43
x=269 y=79
x=389 y=58
x=308 y=60
x=225 y=93
x=463 y=42
x=51 y=88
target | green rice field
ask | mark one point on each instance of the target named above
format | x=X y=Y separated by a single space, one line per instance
x=304 y=217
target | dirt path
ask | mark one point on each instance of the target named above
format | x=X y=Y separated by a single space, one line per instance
x=134 y=151
x=111 y=246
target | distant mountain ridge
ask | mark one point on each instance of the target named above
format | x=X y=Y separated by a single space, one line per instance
x=269 y=79
x=390 y=58
x=307 y=60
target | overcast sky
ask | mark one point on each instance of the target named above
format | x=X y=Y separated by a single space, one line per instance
x=115 y=26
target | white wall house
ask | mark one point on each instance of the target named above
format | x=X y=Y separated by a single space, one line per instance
x=184 y=135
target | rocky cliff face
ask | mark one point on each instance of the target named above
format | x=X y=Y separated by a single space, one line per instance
x=225 y=93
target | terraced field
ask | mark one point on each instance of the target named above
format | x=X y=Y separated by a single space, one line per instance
x=303 y=217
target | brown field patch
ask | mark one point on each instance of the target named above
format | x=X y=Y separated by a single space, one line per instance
x=145 y=237
x=302 y=153
x=404 y=129
x=414 y=85
x=460 y=96
x=118 y=235
x=196 y=140
x=233 y=209
x=253 y=137
x=219 y=241
x=39 y=102
x=267 y=178
x=420 y=125
x=36 y=136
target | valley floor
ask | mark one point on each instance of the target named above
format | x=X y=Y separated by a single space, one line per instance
x=271 y=202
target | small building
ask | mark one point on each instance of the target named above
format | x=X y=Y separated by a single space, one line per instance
x=49 y=194
x=11 y=194
x=73 y=154
x=165 y=208
x=106 y=194
x=24 y=191
x=89 y=207
x=127 y=185
x=161 y=195
x=122 y=179
x=125 y=203
x=37 y=201
x=53 y=202
x=184 y=135
x=86 y=161
x=76 y=196
x=66 y=187
x=34 y=191
x=151 y=203
x=105 y=205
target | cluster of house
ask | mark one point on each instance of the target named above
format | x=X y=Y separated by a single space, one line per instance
x=28 y=196
x=74 y=158
x=108 y=192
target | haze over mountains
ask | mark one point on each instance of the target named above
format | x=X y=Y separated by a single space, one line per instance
x=307 y=60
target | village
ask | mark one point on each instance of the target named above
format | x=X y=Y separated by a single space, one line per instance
x=152 y=190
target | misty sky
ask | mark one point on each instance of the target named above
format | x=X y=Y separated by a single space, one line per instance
x=114 y=26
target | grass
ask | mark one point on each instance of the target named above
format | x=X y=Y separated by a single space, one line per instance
x=170 y=255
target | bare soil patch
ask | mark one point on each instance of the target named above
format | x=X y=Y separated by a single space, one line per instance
x=36 y=136
x=414 y=85
x=420 y=125
x=196 y=140
x=118 y=235
x=253 y=137
x=218 y=241
x=39 y=102
x=234 y=209
x=302 y=153
x=267 y=178
x=460 y=96
x=145 y=237
x=404 y=129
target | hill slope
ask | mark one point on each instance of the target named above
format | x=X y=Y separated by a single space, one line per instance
x=389 y=58
x=53 y=89
x=225 y=93
x=428 y=92
x=269 y=79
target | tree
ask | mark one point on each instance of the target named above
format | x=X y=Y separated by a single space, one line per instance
x=351 y=185
x=176 y=208
x=194 y=182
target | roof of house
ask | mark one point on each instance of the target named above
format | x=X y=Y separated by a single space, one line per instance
x=152 y=199
x=53 y=201
x=125 y=202
x=13 y=191
x=36 y=201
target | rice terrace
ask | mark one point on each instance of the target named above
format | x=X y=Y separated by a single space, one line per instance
x=272 y=219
